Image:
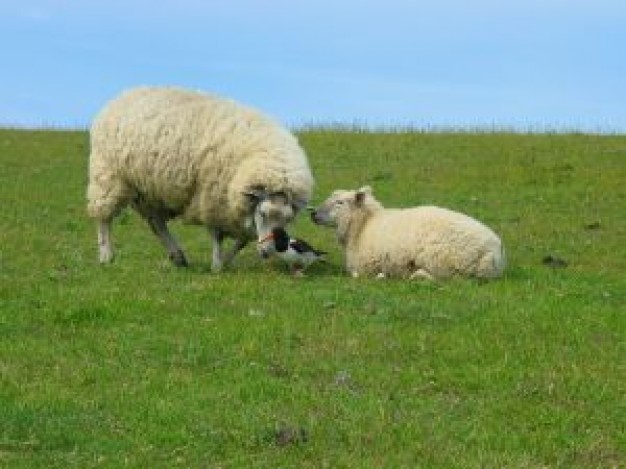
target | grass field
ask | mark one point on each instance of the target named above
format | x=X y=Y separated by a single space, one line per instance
x=143 y=365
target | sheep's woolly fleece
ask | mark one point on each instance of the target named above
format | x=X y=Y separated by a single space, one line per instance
x=419 y=242
x=192 y=154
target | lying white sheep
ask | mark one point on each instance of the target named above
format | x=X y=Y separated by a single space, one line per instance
x=420 y=242
x=170 y=152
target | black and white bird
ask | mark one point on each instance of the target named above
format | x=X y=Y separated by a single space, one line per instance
x=297 y=253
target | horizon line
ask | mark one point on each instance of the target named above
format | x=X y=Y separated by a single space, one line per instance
x=357 y=126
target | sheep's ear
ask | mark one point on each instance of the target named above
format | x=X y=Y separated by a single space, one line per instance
x=300 y=204
x=359 y=198
x=361 y=194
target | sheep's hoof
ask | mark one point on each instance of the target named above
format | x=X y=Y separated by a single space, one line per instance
x=354 y=274
x=178 y=259
x=381 y=276
x=106 y=256
x=104 y=260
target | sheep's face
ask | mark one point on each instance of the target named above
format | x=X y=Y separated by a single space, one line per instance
x=339 y=206
x=271 y=212
x=330 y=210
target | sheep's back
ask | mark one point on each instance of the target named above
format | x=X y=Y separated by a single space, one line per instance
x=193 y=151
x=441 y=240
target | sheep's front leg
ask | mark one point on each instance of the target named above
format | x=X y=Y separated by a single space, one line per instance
x=221 y=260
x=237 y=246
x=105 y=247
x=216 y=262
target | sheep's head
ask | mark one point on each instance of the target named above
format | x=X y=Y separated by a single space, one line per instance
x=339 y=205
x=270 y=210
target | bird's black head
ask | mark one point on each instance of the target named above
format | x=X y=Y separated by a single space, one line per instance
x=281 y=239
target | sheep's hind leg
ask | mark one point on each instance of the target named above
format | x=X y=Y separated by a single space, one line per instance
x=105 y=247
x=159 y=227
x=106 y=195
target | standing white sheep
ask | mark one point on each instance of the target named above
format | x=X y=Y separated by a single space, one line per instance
x=420 y=242
x=170 y=152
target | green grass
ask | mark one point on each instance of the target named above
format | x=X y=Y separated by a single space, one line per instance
x=141 y=364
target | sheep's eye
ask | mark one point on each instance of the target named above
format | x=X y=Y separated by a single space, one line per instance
x=339 y=202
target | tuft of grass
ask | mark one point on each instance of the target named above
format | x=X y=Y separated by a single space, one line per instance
x=141 y=364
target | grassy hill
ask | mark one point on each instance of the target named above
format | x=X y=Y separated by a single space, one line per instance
x=141 y=364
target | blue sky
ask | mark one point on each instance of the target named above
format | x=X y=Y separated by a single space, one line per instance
x=539 y=64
